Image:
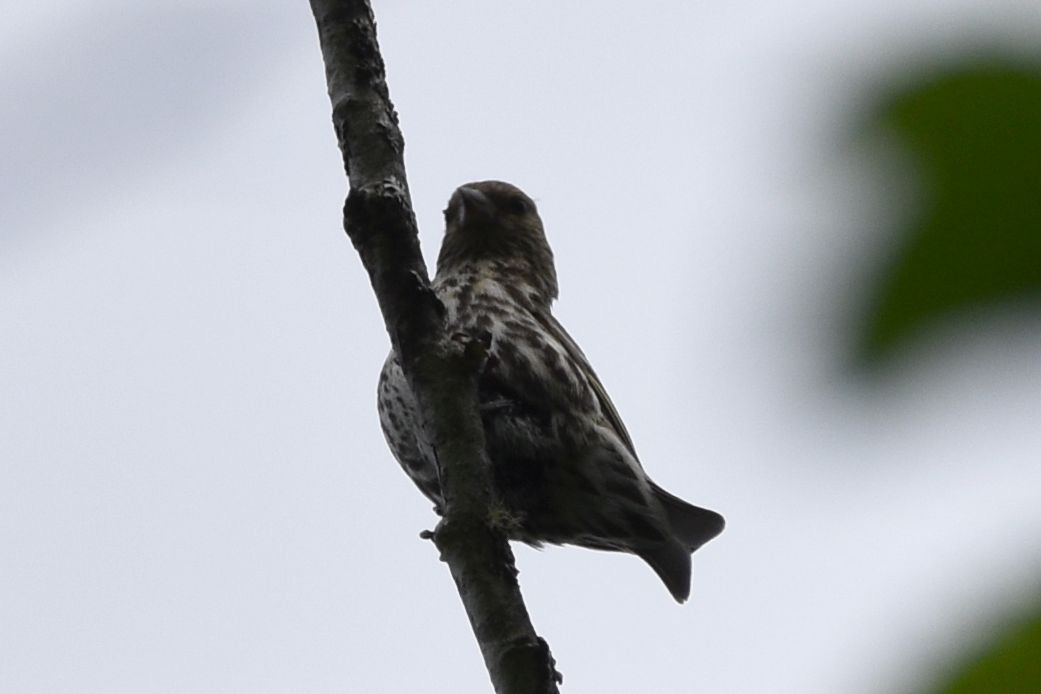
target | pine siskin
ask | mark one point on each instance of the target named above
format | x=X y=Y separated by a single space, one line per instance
x=563 y=463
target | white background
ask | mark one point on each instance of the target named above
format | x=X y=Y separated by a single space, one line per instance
x=194 y=492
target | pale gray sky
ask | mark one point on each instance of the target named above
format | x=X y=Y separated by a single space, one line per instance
x=194 y=492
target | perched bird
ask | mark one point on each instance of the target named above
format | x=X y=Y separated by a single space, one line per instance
x=563 y=463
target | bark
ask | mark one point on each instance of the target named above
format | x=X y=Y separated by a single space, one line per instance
x=442 y=369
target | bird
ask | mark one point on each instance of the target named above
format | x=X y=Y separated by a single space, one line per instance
x=563 y=464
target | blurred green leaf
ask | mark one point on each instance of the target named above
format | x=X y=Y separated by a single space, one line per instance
x=1011 y=665
x=975 y=242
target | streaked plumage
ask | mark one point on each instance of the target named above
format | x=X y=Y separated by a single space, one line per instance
x=563 y=462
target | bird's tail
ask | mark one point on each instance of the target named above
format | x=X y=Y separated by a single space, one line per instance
x=691 y=527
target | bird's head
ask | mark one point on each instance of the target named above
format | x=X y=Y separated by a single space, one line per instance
x=496 y=223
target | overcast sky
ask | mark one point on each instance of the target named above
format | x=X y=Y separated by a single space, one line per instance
x=194 y=492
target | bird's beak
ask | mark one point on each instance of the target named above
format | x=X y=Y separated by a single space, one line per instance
x=475 y=204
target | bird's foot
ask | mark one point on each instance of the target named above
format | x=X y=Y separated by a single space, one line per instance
x=476 y=346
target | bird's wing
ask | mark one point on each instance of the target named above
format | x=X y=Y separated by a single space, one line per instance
x=554 y=327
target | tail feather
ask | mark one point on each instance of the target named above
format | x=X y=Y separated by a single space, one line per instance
x=671 y=561
x=692 y=525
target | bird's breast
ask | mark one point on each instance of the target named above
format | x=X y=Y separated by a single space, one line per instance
x=522 y=351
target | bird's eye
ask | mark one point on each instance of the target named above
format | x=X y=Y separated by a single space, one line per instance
x=517 y=205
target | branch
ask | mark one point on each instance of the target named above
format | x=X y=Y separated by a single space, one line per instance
x=442 y=371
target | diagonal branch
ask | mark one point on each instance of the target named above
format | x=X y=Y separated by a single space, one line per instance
x=442 y=371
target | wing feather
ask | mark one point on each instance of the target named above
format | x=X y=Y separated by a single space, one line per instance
x=553 y=327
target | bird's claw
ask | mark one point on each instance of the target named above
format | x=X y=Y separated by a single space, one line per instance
x=475 y=345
